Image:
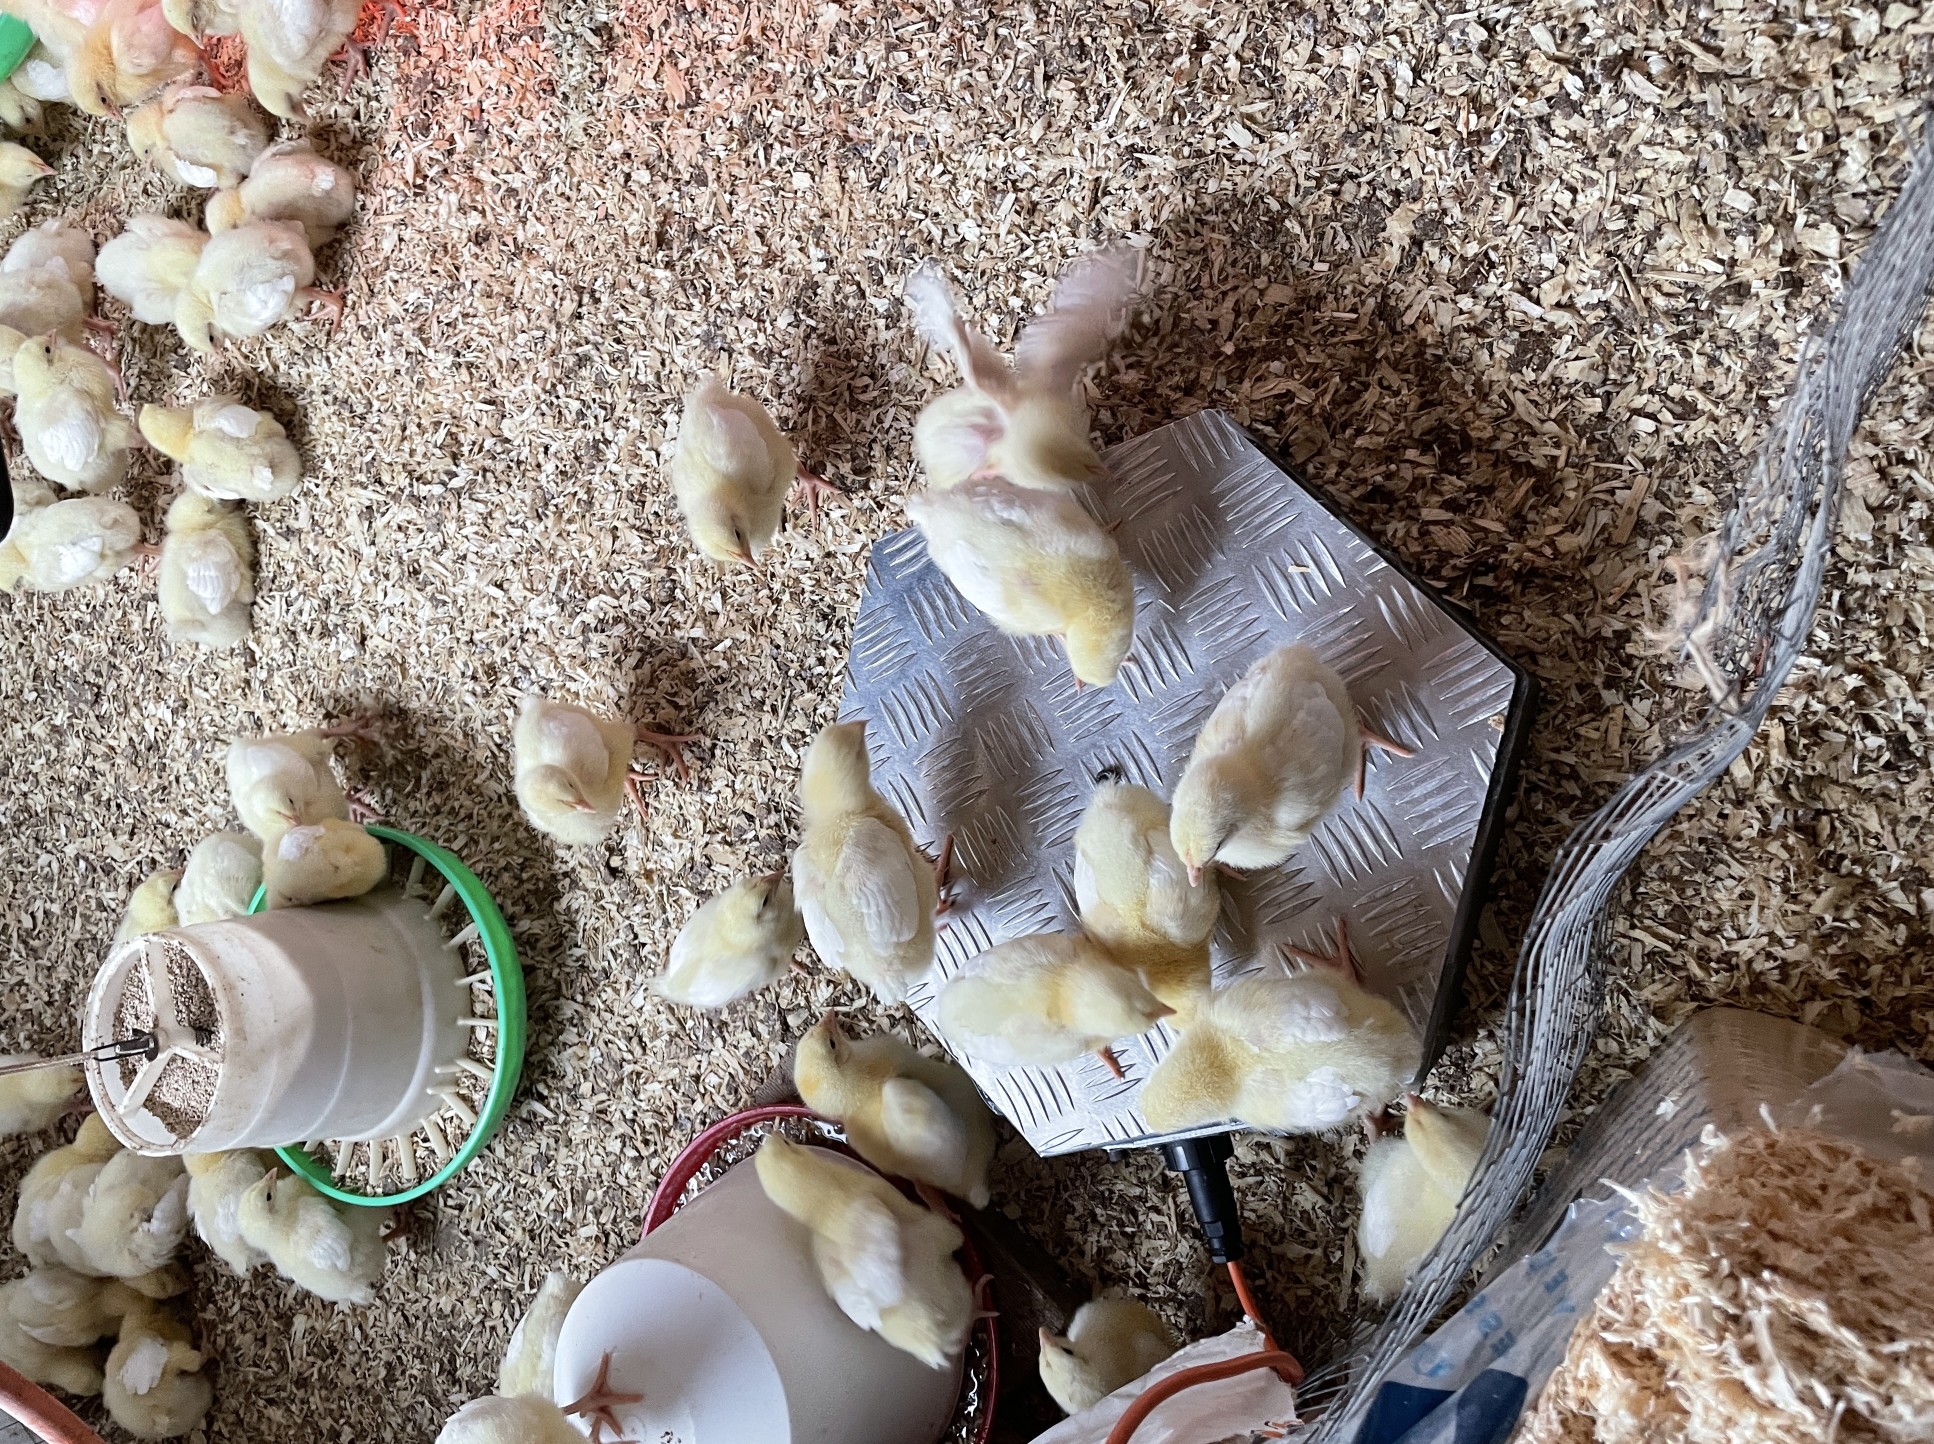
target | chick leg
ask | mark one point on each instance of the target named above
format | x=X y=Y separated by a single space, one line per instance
x=149 y=563
x=354 y=729
x=669 y=743
x=330 y=301
x=815 y=488
x=635 y=789
x=1343 y=960
x=355 y=63
x=1110 y=1061
x=600 y=1404
x=942 y=866
x=1369 y=739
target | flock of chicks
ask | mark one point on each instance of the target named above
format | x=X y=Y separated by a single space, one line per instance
x=271 y=206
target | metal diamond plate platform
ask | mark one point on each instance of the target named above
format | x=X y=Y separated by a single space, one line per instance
x=985 y=736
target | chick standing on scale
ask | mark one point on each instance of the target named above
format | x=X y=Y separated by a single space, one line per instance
x=197 y=135
x=903 y=1112
x=737 y=942
x=1046 y=999
x=1270 y=763
x=128 y=53
x=154 y=1387
x=64 y=544
x=20 y=168
x=732 y=469
x=573 y=768
x=321 y=861
x=219 y=879
x=336 y=1253
x=216 y=1183
x=1111 y=1342
x=284 y=780
x=207 y=581
x=289 y=182
x=66 y=414
x=35 y=1101
x=888 y=1264
x=1296 y=1053
x=1027 y=422
x=150 y=265
x=135 y=1216
x=868 y=894
x=227 y=451
x=151 y=906
x=246 y=281
x=1137 y=899
x=1411 y=1187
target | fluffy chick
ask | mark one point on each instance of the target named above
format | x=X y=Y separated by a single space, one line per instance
x=197 y=135
x=1269 y=764
x=135 y=1216
x=151 y=906
x=216 y=1183
x=227 y=451
x=66 y=414
x=321 y=861
x=153 y=1386
x=524 y=1419
x=207 y=584
x=903 y=1112
x=198 y=19
x=572 y=769
x=336 y=1253
x=1036 y=564
x=127 y=54
x=888 y=1263
x=290 y=182
x=75 y=1371
x=737 y=942
x=18 y=110
x=246 y=281
x=150 y=264
x=71 y=543
x=867 y=893
x=1295 y=1053
x=219 y=879
x=530 y=1359
x=1027 y=422
x=1411 y=1186
x=289 y=43
x=19 y=169
x=1112 y=1342
x=60 y=246
x=68 y=1310
x=731 y=471
x=35 y=1101
x=1136 y=897
x=53 y=1193
x=284 y=780
x=1045 y=999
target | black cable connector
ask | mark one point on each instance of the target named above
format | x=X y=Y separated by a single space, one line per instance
x=1200 y=1161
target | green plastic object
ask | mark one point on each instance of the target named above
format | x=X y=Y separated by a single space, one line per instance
x=15 y=41
x=506 y=982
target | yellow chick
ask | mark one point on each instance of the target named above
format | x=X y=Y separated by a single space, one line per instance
x=289 y=43
x=1036 y=564
x=335 y=1252
x=1027 y=422
x=135 y=1216
x=319 y=862
x=247 y=280
x=1112 y=1342
x=1294 y=1053
x=150 y=264
x=738 y=942
x=573 y=769
x=290 y=182
x=18 y=110
x=917 y=1117
x=731 y=471
x=75 y=1371
x=207 y=583
x=153 y=1385
x=47 y=281
x=35 y=1101
x=1046 y=999
x=1411 y=1187
x=61 y=246
x=19 y=169
x=524 y=1419
x=128 y=53
x=198 y=19
x=1269 y=764
x=283 y=781
x=68 y=1310
x=868 y=895
x=1135 y=895
x=219 y=879
x=53 y=1192
x=151 y=907
x=66 y=415
x=197 y=135
x=216 y=1183
x=227 y=451
x=888 y=1263
x=72 y=543
x=530 y=1359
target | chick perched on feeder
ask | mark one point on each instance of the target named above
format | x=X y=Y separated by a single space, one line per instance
x=530 y=1358
x=737 y=942
x=732 y=470
x=1270 y=763
x=521 y=1411
x=903 y=1112
x=1111 y=1342
x=868 y=894
x=334 y=1251
x=1046 y=999
x=573 y=768
x=1411 y=1188
x=321 y=862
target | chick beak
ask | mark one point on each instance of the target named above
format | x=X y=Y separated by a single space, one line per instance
x=582 y=806
x=1412 y=1100
x=1047 y=1339
x=44 y=168
x=773 y=879
x=293 y=819
x=1163 y=1010
x=1195 y=876
x=829 y=1020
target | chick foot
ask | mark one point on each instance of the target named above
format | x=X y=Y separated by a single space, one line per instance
x=942 y=867
x=148 y=559
x=670 y=743
x=1110 y=1061
x=1343 y=960
x=816 y=488
x=355 y=62
x=362 y=807
x=1371 y=739
x=600 y=1404
x=330 y=301
x=353 y=729
x=635 y=789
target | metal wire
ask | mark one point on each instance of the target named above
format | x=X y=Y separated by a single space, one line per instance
x=1743 y=635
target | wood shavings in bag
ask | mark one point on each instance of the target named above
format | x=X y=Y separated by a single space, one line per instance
x=1783 y=1295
